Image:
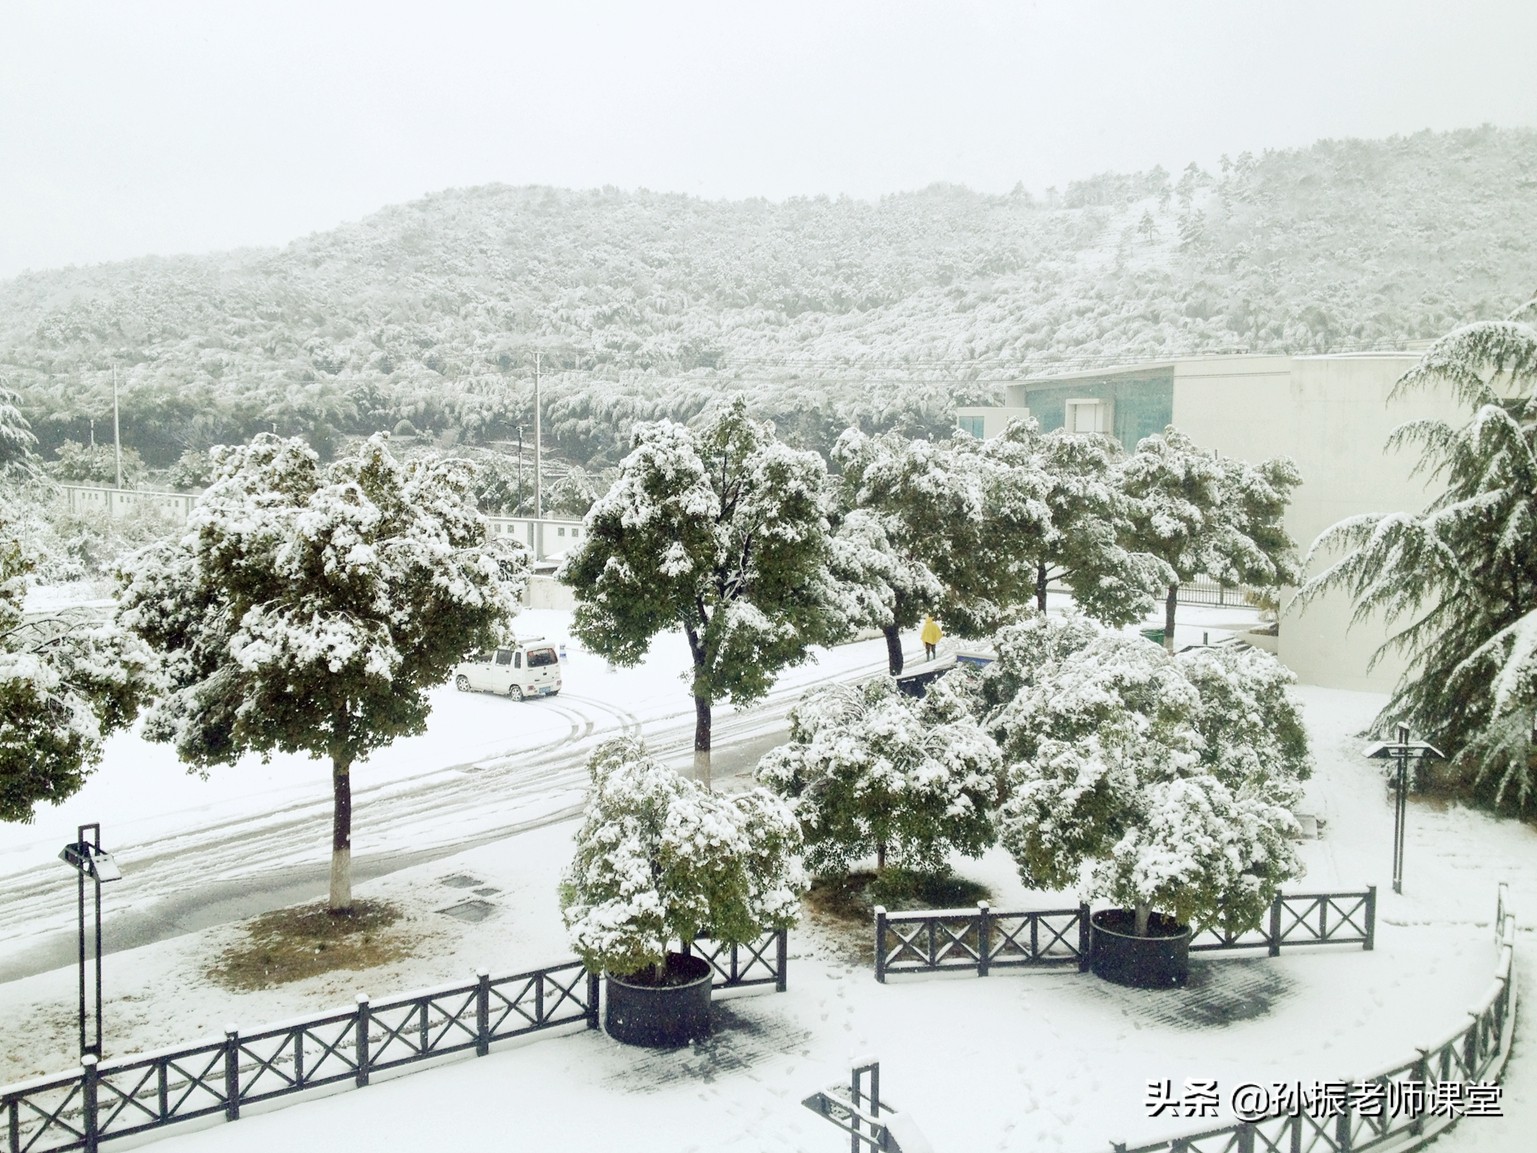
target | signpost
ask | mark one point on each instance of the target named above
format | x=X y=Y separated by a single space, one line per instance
x=1403 y=751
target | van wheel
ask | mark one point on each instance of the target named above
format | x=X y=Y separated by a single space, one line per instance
x=515 y=692
x=462 y=683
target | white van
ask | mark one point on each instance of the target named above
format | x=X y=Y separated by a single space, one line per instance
x=530 y=668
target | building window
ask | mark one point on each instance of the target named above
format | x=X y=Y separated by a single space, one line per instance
x=972 y=424
x=1087 y=416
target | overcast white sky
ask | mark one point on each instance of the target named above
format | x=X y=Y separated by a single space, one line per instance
x=130 y=127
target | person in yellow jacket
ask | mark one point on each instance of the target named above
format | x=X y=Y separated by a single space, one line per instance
x=929 y=636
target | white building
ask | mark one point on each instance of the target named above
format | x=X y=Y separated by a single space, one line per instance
x=1329 y=413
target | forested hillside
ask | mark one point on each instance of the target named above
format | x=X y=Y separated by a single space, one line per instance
x=823 y=312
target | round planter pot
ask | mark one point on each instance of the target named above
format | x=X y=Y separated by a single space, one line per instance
x=661 y=1016
x=1160 y=960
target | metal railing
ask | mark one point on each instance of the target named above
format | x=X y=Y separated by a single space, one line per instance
x=1352 y=1122
x=940 y=940
x=105 y=1100
x=936 y=940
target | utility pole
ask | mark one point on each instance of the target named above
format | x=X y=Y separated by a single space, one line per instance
x=538 y=488
x=117 y=440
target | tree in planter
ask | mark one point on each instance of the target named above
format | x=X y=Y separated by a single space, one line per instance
x=723 y=534
x=309 y=609
x=1461 y=577
x=872 y=771
x=67 y=681
x=1204 y=515
x=660 y=859
x=1114 y=789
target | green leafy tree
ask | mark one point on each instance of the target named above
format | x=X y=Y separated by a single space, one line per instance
x=309 y=609
x=1088 y=515
x=67 y=681
x=660 y=859
x=874 y=772
x=96 y=464
x=1115 y=791
x=722 y=534
x=1461 y=577
x=954 y=520
x=1208 y=516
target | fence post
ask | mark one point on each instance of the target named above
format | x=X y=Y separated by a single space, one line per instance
x=880 y=943
x=1275 y=926
x=1470 y=1045
x=89 y=1120
x=1422 y=1075
x=1371 y=918
x=1084 y=938
x=360 y=1040
x=1342 y=1128
x=482 y=1012
x=984 y=937
x=594 y=988
x=781 y=960
x=1246 y=1137
x=231 y=1073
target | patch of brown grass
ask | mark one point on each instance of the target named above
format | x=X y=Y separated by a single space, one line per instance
x=307 y=940
x=845 y=905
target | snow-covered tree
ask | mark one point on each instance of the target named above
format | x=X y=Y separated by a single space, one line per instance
x=723 y=534
x=1089 y=515
x=1209 y=516
x=885 y=585
x=18 y=456
x=913 y=509
x=67 y=681
x=960 y=519
x=1115 y=792
x=309 y=609
x=1250 y=727
x=660 y=859
x=874 y=772
x=1461 y=577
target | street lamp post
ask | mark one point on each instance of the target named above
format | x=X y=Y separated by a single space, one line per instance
x=89 y=859
x=1402 y=751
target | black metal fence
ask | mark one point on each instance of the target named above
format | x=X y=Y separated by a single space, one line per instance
x=105 y=1100
x=936 y=940
x=939 y=940
x=1363 y=1118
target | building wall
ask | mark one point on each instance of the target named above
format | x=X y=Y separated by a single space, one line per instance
x=1331 y=414
x=1140 y=399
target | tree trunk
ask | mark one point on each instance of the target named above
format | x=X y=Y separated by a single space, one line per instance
x=1144 y=912
x=1040 y=587
x=880 y=856
x=702 y=740
x=1168 y=616
x=893 y=648
x=341 y=838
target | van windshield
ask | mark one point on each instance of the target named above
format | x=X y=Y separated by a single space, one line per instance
x=538 y=658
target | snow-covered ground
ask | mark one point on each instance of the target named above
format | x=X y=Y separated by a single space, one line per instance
x=1015 y=1061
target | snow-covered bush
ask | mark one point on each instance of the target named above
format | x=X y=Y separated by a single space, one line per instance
x=660 y=859
x=872 y=771
x=1125 y=784
x=67 y=681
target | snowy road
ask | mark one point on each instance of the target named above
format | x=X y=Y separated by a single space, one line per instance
x=191 y=860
